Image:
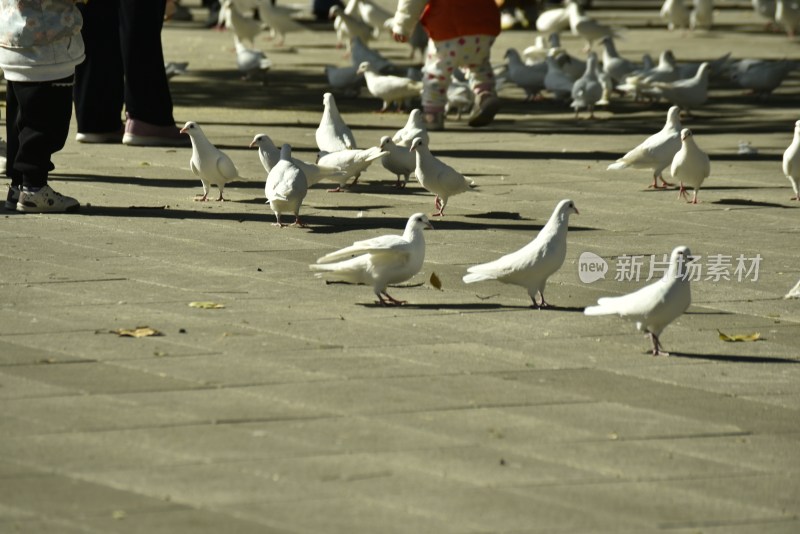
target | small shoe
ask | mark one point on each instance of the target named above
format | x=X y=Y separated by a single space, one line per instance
x=12 y=198
x=486 y=107
x=100 y=137
x=45 y=200
x=140 y=133
x=434 y=121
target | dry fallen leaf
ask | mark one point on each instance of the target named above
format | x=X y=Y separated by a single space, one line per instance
x=206 y=305
x=739 y=337
x=139 y=331
x=435 y=282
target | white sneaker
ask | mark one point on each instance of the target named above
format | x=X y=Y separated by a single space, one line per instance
x=45 y=200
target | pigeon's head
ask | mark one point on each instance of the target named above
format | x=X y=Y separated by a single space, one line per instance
x=334 y=12
x=385 y=140
x=703 y=70
x=363 y=67
x=511 y=52
x=420 y=220
x=190 y=128
x=286 y=151
x=327 y=99
x=566 y=207
x=797 y=126
x=679 y=259
x=261 y=140
x=674 y=116
x=686 y=133
x=417 y=142
x=415 y=116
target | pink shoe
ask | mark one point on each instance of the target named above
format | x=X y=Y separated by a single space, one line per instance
x=140 y=133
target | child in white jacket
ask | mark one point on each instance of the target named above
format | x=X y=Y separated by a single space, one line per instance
x=40 y=44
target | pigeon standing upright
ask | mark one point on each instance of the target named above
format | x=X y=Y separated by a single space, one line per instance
x=657 y=151
x=246 y=29
x=533 y=264
x=654 y=306
x=438 y=177
x=690 y=165
x=380 y=261
x=676 y=14
x=530 y=78
x=686 y=93
x=212 y=165
x=286 y=187
x=390 y=89
x=414 y=127
x=252 y=63
x=399 y=161
x=279 y=20
x=702 y=16
x=791 y=162
x=587 y=90
x=332 y=133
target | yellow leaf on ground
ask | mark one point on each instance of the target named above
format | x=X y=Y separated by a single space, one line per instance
x=206 y=305
x=139 y=331
x=435 y=282
x=740 y=337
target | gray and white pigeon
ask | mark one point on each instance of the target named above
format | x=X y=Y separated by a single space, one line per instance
x=613 y=64
x=360 y=52
x=587 y=90
x=533 y=264
x=333 y=134
x=269 y=155
x=657 y=151
x=437 y=176
x=390 y=89
x=399 y=161
x=380 y=261
x=530 y=78
x=654 y=306
x=691 y=166
x=688 y=93
x=209 y=163
x=556 y=82
x=352 y=162
x=286 y=187
x=791 y=162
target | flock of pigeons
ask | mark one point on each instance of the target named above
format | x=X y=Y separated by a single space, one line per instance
x=392 y=259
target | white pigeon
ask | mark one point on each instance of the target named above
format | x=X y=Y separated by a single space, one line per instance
x=345 y=81
x=269 y=155
x=246 y=29
x=587 y=90
x=252 y=63
x=286 y=187
x=536 y=52
x=333 y=134
x=414 y=127
x=639 y=82
x=279 y=20
x=352 y=162
x=380 y=261
x=702 y=16
x=351 y=26
x=761 y=76
x=793 y=293
x=690 y=165
x=553 y=21
x=399 y=161
x=360 y=52
x=342 y=37
x=460 y=97
x=586 y=27
x=676 y=14
x=791 y=162
x=390 y=89
x=613 y=64
x=533 y=264
x=556 y=81
x=657 y=151
x=687 y=93
x=209 y=163
x=374 y=15
x=530 y=78
x=438 y=177
x=787 y=15
x=654 y=306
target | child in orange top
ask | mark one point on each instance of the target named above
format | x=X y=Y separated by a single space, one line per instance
x=461 y=36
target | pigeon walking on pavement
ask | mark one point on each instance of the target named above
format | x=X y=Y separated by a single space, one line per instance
x=351 y=163
x=413 y=128
x=657 y=151
x=676 y=14
x=654 y=306
x=245 y=29
x=209 y=163
x=587 y=90
x=380 y=261
x=438 y=177
x=791 y=162
x=689 y=93
x=399 y=161
x=390 y=89
x=690 y=165
x=286 y=187
x=269 y=155
x=279 y=20
x=333 y=134
x=533 y=264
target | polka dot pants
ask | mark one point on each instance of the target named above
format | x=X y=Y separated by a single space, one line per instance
x=469 y=53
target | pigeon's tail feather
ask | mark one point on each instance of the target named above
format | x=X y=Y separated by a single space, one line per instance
x=617 y=165
x=342 y=254
x=351 y=271
x=477 y=277
x=598 y=310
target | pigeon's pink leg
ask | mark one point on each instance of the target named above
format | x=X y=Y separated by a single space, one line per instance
x=298 y=222
x=202 y=198
x=657 y=345
x=682 y=193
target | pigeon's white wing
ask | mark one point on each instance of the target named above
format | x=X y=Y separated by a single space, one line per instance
x=285 y=187
x=226 y=168
x=193 y=168
x=506 y=265
x=388 y=244
x=640 y=303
